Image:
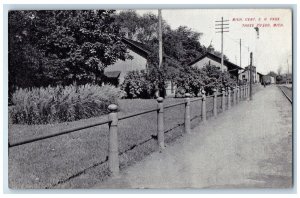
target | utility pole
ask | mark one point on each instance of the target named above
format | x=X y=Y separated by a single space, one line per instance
x=240 y=52
x=249 y=58
x=251 y=76
x=222 y=27
x=159 y=50
x=160 y=37
x=288 y=71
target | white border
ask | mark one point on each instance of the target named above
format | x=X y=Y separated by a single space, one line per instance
x=128 y=4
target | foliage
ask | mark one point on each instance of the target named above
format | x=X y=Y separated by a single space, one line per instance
x=272 y=73
x=61 y=104
x=279 y=79
x=62 y=47
x=137 y=85
x=189 y=80
x=140 y=28
x=192 y=80
x=180 y=46
x=215 y=79
x=183 y=44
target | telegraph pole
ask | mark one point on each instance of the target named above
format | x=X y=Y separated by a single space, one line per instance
x=222 y=27
x=251 y=76
x=240 y=52
x=159 y=50
x=288 y=71
x=160 y=37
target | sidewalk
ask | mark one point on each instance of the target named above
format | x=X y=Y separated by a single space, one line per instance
x=245 y=147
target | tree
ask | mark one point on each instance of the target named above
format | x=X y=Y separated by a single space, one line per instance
x=62 y=46
x=86 y=42
x=140 y=28
x=183 y=44
x=272 y=73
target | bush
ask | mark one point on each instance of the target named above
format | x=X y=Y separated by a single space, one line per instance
x=61 y=104
x=189 y=80
x=137 y=85
x=192 y=80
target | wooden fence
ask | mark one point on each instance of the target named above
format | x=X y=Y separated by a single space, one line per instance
x=232 y=95
x=222 y=101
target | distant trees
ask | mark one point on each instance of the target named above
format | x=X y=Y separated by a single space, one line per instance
x=272 y=73
x=62 y=46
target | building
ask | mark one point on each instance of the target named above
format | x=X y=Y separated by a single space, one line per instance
x=259 y=77
x=115 y=73
x=244 y=76
x=211 y=59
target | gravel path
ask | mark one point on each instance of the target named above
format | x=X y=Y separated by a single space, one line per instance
x=249 y=146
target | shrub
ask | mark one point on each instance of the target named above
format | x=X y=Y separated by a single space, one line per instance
x=189 y=80
x=192 y=80
x=61 y=104
x=137 y=85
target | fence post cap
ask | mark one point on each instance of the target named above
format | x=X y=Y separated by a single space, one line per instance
x=187 y=95
x=160 y=99
x=203 y=92
x=223 y=89
x=214 y=89
x=112 y=107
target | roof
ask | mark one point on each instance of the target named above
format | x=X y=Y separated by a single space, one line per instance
x=137 y=47
x=112 y=74
x=230 y=65
x=260 y=74
x=140 y=48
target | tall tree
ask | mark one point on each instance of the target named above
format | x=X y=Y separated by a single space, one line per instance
x=62 y=46
x=272 y=73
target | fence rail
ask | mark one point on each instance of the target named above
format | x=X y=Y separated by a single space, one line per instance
x=220 y=102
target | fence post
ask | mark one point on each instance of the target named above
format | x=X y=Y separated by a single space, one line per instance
x=229 y=99
x=223 y=99
x=160 y=123
x=238 y=94
x=241 y=94
x=203 y=107
x=187 y=115
x=113 y=156
x=247 y=93
x=244 y=91
x=215 y=103
x=234 y=96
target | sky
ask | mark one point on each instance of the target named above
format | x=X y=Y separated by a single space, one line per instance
x=273 y=48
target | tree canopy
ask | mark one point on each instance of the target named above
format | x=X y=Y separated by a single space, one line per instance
x=62 y=46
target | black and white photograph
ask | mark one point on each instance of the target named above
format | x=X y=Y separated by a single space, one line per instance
x=150 y=98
